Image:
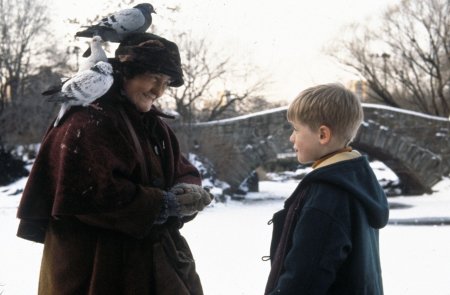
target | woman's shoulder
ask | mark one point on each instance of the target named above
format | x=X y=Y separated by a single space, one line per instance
x=97 y=117
x=104 y=108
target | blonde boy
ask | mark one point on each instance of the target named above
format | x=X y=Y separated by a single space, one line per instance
x=325 y=240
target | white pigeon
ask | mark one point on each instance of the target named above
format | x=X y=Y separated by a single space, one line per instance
x=97 y=54
x=115 y=27
x=83 y=88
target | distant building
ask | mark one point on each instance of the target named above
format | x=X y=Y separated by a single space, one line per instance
x=362 y=91
x=6 y=95
x=222 y=99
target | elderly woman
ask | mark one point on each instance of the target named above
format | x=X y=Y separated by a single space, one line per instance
x=109 y=189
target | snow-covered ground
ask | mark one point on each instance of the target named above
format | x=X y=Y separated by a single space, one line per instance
x=229 y=239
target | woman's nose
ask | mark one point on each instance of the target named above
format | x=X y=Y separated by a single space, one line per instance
x=158 y=89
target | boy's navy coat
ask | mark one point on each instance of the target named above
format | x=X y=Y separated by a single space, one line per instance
x=332 y=247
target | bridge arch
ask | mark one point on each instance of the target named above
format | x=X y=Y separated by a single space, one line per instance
x=414 y=145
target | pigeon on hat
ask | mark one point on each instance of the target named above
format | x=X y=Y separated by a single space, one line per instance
x=115 y=27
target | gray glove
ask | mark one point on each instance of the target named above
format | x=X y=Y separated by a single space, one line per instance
x=191 y=198
x=183 y=200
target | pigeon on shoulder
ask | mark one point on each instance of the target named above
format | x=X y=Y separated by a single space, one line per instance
x=115 y=27
x=97 y=54
x=82 y=89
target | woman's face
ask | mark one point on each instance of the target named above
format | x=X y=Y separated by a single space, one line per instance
x=143 y=90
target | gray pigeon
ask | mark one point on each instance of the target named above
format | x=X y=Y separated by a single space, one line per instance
x=83 y=88
x=115 y=27
x=97 y=54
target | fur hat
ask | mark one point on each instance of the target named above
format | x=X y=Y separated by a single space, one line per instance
x=153 y=53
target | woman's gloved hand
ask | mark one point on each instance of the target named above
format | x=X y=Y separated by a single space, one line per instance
x=191 y=198
x=184 y=200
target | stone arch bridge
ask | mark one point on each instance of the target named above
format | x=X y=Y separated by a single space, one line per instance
x=414 y=145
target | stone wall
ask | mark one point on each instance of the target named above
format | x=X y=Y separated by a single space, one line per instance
x=415 y=146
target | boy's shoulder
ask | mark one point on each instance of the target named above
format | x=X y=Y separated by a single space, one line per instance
x=346 y=186
x=321 y=193
x=338 y=179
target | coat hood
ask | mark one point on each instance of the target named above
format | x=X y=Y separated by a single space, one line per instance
x=357 y=178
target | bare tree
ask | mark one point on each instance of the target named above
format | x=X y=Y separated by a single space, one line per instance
x=199 y=75
x=204 y=96
x=28 y=59
x=406 y=59
x=24 y=120
x=21 y=24
x=229 y=104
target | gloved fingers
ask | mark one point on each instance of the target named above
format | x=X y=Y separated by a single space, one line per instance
x=186 y=186
x=191 y=197
x=194 y=201
x=177 y=190
x=187 y=211
x=190 y=205
x=188 y=199
x=207 y=198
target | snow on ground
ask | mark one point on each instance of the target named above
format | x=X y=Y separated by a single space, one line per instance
x=228 y=241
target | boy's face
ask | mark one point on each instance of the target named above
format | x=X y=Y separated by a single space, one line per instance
x=306 y=142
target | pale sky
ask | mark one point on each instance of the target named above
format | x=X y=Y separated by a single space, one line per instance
x=284 y=38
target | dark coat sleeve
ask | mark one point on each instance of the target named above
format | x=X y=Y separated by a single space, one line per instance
x=95 y=168
x=135 y=218
x=87 y=168
x=321 y=243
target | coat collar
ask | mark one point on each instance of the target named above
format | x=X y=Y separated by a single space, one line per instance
x=341 y=155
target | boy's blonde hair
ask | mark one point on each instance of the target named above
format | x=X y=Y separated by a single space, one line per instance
x=331 y=105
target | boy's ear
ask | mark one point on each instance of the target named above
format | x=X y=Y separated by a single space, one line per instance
x=324 y=134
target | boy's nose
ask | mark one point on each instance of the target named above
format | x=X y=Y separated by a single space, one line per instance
x=292 y=137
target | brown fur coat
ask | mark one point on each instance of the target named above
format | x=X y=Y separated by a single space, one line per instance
x=86 y=200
